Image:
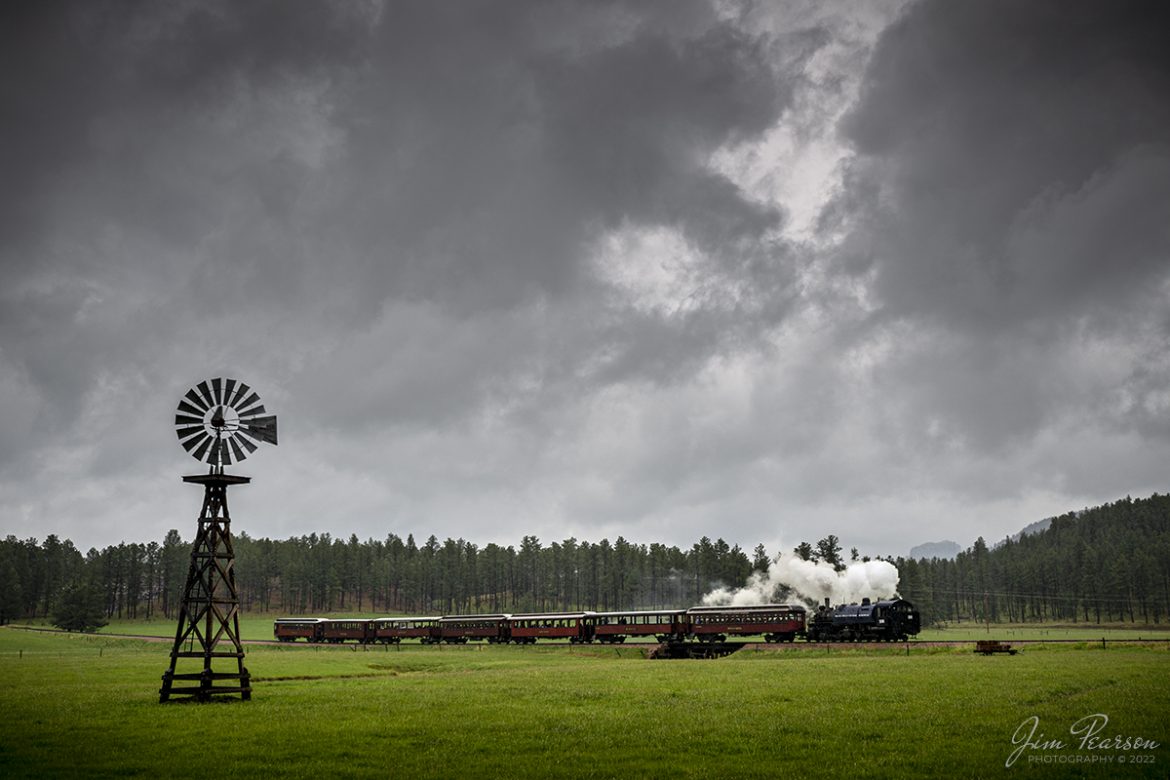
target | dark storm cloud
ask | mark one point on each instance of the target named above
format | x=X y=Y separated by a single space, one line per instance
x=525 y=267
x=481 y=159
x=69 y=67
x=460 y=154
x=1007 y=211
x=386 y=215
x=484 y=158
x=111 y=188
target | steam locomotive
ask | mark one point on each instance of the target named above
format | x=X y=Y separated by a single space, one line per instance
x=880 y=621
x=888 y=620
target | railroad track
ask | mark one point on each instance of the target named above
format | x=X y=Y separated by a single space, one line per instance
x=824 y=646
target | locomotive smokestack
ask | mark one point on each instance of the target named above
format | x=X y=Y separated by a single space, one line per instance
x=828 y=603
x=865 y=602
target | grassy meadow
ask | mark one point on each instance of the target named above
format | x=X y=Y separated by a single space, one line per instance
x=86 y=705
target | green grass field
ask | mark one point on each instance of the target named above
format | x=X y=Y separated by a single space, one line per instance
x=87 y=706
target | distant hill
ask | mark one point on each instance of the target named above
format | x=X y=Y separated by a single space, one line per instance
x=945 y=549
x=1034 y=528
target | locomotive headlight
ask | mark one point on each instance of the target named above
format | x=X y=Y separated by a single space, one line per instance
x=881 y=621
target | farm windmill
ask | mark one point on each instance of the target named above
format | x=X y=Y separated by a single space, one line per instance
x=219 y=422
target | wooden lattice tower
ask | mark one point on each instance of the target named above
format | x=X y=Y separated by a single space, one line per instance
x=217 y=423
x=208 y=634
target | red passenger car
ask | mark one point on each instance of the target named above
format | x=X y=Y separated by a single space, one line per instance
x=525 y=629
x=461 y=628
x=664 y=625
x=777 y=622
x=292 y=629
x=394 y=630
x=347 y=629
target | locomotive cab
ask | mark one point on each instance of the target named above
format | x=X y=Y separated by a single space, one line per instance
x=898 y=617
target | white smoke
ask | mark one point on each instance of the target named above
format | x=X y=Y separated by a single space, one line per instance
x=810 y=583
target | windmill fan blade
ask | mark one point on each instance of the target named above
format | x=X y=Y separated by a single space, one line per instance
x=239 y=454
x=183 y=419
x=206 y=391
x=194 y=398
x=191 y=443
x=229 y=386
x=235 y=401
x=253 y=411
x=245 y=434
x=189 y=409
x=201 y=450
x=249 y=401
x=248 y=445
x=194 y=429
x=217 y=388
x=262 y=428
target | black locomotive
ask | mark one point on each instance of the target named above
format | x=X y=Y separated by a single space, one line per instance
x=869 y=621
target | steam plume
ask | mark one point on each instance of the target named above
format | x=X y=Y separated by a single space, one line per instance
x=811 y=582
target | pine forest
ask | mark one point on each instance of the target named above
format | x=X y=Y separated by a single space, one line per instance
x=1106 y=564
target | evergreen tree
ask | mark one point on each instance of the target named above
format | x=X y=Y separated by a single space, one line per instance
x=760 y=560
x=11 y=595
x=80 y=608
x=829 y=551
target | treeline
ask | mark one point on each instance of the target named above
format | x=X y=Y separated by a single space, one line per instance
x=318 y=573
x=125 y=580
x=1107 y=564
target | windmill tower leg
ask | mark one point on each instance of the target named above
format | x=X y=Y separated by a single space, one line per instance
x=207 y=647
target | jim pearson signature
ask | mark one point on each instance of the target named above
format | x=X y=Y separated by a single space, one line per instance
x=1085 y=735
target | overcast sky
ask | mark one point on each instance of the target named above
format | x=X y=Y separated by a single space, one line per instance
x=898 y=272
